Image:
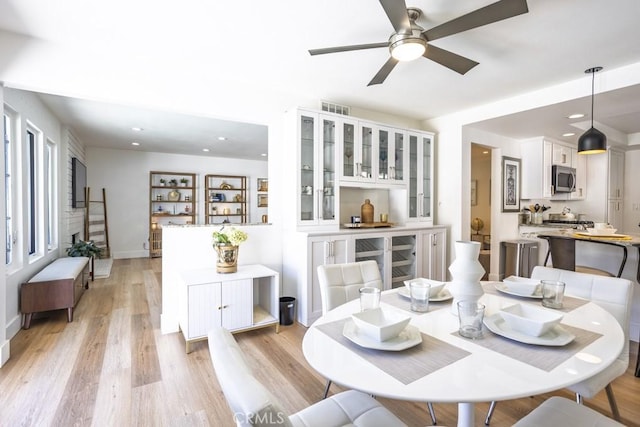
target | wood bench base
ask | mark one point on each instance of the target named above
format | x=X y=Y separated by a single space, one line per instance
x=58 y=286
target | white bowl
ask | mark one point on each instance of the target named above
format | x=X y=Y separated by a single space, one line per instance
x=380 y=325
x=522 y=285
x=436 y=287
x=601 y=231
x=529 y=319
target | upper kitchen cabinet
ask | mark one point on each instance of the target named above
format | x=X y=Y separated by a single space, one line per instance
x=616 y=175
x=317 y=149
x=420 y=188
x=539 y=155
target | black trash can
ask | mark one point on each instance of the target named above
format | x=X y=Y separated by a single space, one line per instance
x=287 y=310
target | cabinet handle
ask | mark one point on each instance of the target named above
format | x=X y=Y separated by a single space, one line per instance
x=564 y=159
x=219 y=308
x=319 y=204
x=225 y=306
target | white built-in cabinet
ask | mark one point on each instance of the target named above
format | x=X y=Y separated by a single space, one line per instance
x=400 y=254
x=335 y=151
x=538 y=157
x=247 y=299
x=615 y=189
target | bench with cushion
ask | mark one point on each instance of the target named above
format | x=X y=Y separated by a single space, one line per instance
x=59 y=285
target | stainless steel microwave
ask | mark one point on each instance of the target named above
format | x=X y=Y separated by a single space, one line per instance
x=563 y=179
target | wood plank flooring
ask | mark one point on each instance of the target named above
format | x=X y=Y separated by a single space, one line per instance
x=112 y=367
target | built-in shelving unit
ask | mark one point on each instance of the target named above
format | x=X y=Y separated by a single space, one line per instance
x=225 y=199
x=172 y=200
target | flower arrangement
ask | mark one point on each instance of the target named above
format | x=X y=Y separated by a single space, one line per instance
x=229 y=236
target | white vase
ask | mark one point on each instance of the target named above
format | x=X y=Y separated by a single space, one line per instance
x=466 y=272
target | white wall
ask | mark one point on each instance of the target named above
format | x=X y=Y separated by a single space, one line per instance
x=124 y=174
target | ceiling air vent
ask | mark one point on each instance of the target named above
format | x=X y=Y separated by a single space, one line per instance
x=335 y=108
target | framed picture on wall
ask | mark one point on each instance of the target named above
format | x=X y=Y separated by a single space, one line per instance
x=263 y=200
x=474 y=192
x=510 y=184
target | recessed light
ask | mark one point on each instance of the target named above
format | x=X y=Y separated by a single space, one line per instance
x=222 y=138
x=264 y=154
x=205 y=150
x=137 y=129
x=576 y=116
x=568 y=134
x=485 y=152
x=135 y=143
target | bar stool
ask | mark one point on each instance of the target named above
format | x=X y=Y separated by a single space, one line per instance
x=563 y=256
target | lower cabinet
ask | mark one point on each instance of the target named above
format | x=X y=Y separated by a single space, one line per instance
x=244 y=300
x=401 y=255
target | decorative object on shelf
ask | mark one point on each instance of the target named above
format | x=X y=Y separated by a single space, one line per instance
x=466 y=272
x=366 y=212
x=173 y=182
x=226 y=243
x=226 y=186
x=592 y=141
x=477 y=224
x=187 y=198
x=159 y=197
x=238 y=198
x=263 y=200
x=184 y=182
x=263 y=184
x=173 y=196
x=510 y=184
x=163 y=182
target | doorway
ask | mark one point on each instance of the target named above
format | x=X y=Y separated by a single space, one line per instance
x=481 y=202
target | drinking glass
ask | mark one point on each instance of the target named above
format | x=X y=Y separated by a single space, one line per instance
x=369 y=298
x=419 y=292
x=470 y=314
x=552 y=293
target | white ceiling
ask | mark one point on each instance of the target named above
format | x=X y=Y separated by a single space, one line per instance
x=176 y=69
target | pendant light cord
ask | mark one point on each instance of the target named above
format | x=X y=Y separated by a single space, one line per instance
x=593 y=78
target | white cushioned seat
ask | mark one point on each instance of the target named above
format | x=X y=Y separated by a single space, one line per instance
x=253 y=405
x=558 y=411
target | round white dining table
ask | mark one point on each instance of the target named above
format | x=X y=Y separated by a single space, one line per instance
x=482 y=375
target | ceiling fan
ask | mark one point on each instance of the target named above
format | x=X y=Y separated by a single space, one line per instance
x=410 y=41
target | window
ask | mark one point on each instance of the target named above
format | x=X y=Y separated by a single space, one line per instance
x=31 y=192
x=8 y=192
x=51 y=199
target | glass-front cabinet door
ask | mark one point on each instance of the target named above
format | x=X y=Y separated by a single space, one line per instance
x=391 y=154
x=364 y=161
x=317 y=169
x=348 y=152
x=420 y=177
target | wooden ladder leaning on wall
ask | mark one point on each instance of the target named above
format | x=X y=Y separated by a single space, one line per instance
x=96 y=226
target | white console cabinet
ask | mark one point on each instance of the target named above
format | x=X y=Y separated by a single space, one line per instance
x=247 y=299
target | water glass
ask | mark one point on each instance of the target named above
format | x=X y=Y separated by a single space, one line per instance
x=369 y=298
x=470 y=314
x=552 y=293
x=419 y=292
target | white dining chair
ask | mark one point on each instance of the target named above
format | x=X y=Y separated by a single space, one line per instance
x=341 y=283
x=614 y=295
x=253 y=405
x=558 y=411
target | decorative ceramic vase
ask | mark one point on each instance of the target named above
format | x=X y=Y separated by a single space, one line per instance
x=466 y=272
x=227 y=258
x=366 y=212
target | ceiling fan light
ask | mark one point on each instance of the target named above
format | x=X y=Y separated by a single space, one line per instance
x=408 y=49
x=592 y=142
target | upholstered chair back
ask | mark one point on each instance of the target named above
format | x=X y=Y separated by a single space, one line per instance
x=340 y=283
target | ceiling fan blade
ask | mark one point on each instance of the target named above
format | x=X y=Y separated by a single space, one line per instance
x=396 y=11
x=384 y=71
x=453 y=61
x=495 y=12
x=347 y=48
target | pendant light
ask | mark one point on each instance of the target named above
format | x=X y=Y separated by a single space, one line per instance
x=592 y=141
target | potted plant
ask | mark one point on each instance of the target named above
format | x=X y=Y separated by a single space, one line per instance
x=184 y=182
x=226 y=242
x=174 y=182
x=82 y=248
x=162 y=182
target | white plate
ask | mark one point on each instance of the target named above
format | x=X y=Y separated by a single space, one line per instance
x=500 y=286
x=557 y=336
x=408 y=338
x=444 y=295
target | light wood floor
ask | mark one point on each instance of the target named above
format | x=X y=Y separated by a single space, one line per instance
x=112 y=367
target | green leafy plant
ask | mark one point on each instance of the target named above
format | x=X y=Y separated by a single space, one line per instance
x=229 y=236
x=173 y=182
x=184 y=180
x=163 y=181
x=82 y=248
